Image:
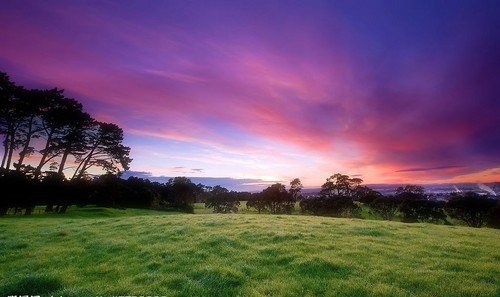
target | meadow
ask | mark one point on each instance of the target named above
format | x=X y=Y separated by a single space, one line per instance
x=110 y=252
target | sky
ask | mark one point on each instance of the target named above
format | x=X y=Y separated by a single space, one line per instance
x=248 y=93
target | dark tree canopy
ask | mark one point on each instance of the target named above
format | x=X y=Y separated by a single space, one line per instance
x=339 y=185
x=222 y=200
x=415 y=205
x=471 y=208
x=56 y=129
x=410 y=192
x=276 y=199
x=385 y=207
x=335 y=198
x=296 y=189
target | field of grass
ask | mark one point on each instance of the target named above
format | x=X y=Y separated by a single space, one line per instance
x=104 y=252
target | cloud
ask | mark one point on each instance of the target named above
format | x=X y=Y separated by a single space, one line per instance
x=428 y=169
x=403 y=92
x=237 y=184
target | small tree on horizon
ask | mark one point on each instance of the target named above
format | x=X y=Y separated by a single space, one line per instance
x=296 y=189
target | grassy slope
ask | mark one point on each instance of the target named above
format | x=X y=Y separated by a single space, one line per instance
x=92 y=252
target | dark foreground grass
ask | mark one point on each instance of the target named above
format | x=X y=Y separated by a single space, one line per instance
x=243 y=255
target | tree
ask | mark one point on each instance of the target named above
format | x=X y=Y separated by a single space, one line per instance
x=13 y=114
x=494 y=216
x=256 y=200
x=74 y=141
x=470 y=208
x=386 y=207
x=61 y=119
x=295 y=189
x=30 y=127
x=417 y=207
x=222 y=200
x=45 y=122
x=108 y=191
x=18 y=192
x=340 y=185
x=51 y=186
x=335 y=198
x=277 y=199
x=422 y=210
x=410 y=192
x=365 y=194
x=338 y=206
x=139 y=193
x=180 y=194
x=104 y=149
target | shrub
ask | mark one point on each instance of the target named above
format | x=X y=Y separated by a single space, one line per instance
x=471 y=208
x=386 y=207
x=339 y=206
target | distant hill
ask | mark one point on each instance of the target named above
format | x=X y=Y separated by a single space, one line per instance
x=389 y=189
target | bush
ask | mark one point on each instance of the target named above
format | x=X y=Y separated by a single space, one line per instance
x=494 y=217
x=339 y=206
x=472 y=209
x=386 y=207
x=422 y=210
x=222 y=200
x=274 y=198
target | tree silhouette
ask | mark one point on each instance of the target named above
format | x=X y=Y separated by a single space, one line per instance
x=74 y=141
x=365 y=194
x=58 y=121
x=335 y=198
x=340 y=185
x=295 y=189
x=104 y=149
x=222 y=200
x=12 y=116
x=277 y=199
x=180 y=194
x=256 y=201
x=470 y=208
x=416 y=206
x=386 y=207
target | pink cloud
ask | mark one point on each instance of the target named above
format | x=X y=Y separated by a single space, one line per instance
x=225 y=78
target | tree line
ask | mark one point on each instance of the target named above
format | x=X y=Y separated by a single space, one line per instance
x=343 y=196
x=45 y=133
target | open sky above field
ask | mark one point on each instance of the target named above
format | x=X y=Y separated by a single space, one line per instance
x=263 y=91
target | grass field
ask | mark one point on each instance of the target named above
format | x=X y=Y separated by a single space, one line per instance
x=106 y=252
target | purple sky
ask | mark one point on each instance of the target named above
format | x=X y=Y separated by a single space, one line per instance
x=265 y=91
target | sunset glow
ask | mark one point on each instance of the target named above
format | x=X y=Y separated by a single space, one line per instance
x=266 y=91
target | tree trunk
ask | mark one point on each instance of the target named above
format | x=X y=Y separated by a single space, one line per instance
x=5 y=150
x=11 y=150
x=83 y=165
x=26 y=146
x=63 y=160
x=38 y=170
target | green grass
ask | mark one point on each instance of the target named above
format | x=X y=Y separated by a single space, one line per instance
x=89 y=212
x=105 y=252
